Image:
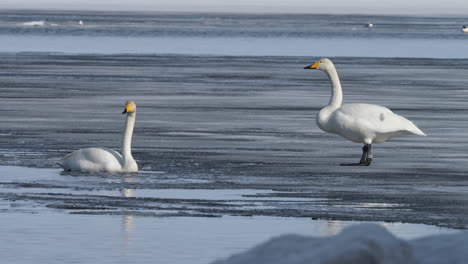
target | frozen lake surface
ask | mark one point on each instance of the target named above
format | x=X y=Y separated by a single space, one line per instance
x=225 y=134
x=216 y=123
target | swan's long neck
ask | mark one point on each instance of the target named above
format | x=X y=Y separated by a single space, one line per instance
x=127 y=139
x=335 y=101
x=337 y=95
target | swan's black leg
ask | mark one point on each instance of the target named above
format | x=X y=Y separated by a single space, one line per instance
x=365 y=149
x=366 y=158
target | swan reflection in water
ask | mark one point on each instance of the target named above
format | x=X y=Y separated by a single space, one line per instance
x=127 y=219
x=331 y=228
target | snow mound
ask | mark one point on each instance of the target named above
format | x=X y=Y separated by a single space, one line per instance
x=440 y=249
x=363 y=244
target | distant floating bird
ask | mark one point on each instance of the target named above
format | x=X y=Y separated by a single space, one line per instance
x=465 y=29
x=104 y=159
x=370 y=25
x=81 y=22
x=360 y=123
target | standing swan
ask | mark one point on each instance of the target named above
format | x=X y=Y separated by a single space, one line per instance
x=104 y=159
x=360 y=123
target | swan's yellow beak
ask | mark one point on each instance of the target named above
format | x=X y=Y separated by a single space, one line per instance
x=127 y=109
x=130 y=107
x=313 y=66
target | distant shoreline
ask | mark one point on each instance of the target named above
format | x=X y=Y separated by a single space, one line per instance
x=173 y=12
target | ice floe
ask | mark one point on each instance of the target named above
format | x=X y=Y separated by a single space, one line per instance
x=39 y=23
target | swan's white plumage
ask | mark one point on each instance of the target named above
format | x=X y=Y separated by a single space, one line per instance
x=367 y=123
x=360 y=123
x=105 y=159
x=93 y=160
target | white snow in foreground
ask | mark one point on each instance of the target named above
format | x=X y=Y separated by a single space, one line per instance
x=363 y=244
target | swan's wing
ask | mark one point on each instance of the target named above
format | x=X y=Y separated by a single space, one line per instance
x=93 y=159
x=114 y=153
x=95 y=155
x=373 y=122
x=69 y=156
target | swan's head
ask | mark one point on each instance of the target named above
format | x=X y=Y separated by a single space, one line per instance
x=323 y=64
x=130 y=107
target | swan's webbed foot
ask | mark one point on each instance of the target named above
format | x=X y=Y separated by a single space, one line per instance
x=366 y=163
x=366 y=158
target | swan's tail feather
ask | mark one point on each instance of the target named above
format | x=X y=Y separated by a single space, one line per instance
x=410 y=127
x=416 y=131
x=413 y=129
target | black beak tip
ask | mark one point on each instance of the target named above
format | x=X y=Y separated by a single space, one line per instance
x=124 y=111
x=307 y=67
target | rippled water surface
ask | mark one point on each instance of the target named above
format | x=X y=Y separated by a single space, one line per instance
x=108 y=219
x=232 y=34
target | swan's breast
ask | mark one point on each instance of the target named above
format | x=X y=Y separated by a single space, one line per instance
x=323 y=120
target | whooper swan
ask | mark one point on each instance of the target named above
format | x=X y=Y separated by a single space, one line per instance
x=360 y=123
x=104 y=159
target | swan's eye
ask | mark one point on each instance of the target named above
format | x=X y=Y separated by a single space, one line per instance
x=320 y=61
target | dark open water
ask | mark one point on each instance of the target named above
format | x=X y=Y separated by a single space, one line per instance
x=225 y=138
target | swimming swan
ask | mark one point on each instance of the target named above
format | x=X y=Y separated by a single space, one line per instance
x=360 y=123
x=104 y=159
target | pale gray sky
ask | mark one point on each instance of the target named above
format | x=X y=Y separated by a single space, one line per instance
x=404 y=7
